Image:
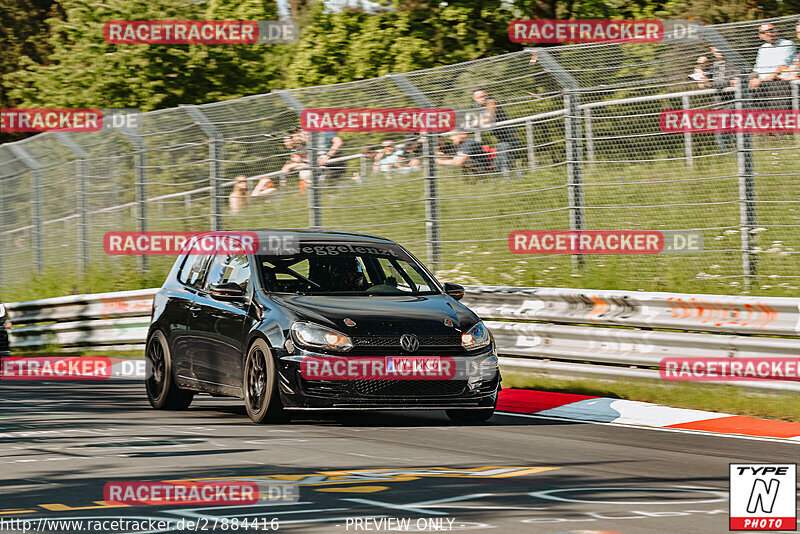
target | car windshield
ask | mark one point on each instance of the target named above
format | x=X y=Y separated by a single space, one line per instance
x=345 y=270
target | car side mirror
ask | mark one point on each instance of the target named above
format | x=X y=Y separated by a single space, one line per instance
x=454 y=290
x=226 y=291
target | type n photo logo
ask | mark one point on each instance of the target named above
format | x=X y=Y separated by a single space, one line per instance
x=763 y=497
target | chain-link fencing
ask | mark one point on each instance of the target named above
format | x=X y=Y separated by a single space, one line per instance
x=587 y=154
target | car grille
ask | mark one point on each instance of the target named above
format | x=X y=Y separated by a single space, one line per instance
x=409 y=388
x=3 y=340
x=390 y=345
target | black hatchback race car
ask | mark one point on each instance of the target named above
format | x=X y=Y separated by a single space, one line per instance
x=327 y=320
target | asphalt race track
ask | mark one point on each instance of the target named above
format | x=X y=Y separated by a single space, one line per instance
x=61 y=442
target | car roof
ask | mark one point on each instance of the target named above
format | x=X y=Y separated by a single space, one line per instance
x=333 y=236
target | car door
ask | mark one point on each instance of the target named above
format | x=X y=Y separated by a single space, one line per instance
x=183 y=303
x=220 y=323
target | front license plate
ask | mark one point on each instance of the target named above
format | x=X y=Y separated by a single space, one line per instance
x=422 y=364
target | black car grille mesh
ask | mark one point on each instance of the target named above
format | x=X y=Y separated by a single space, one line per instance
x=409 y=388
x=3 y=340
x=390 y=345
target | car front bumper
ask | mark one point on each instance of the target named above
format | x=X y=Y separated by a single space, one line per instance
x=476 y=391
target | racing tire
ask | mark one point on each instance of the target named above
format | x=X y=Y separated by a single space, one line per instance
x=162 y=392
x=260 y=385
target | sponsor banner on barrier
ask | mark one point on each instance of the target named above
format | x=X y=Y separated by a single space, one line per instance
x=207 y=32
x=68 y=120
x=191 y=243
x=379 y=368
x=730 y=121
x=69 y=368
x=735 y=369
x=603 y=241
x=378 y=119
x=763 y=497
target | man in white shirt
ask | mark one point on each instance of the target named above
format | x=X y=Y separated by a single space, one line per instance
x=774 y=54
x=774 y=57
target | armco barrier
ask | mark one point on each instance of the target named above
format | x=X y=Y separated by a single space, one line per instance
x=583 y=344
x=674 y=311
x=104 y=320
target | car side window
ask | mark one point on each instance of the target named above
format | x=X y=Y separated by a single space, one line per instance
x=230 y=268
x=194 y=267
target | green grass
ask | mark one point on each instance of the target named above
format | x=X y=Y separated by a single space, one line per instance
x=710 y=397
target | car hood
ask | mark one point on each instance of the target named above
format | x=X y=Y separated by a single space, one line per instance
x=383 y=315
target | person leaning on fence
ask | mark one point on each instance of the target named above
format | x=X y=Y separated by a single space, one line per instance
x=331 y=170
x=387 y=158
x=264 y=187
x=239 y=196
x=297 y=143
x=792 y=72
x=508 y=138
x=720 y=76
x=470 y=155
x=774 y=57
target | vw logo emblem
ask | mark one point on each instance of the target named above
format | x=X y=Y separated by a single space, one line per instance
x=409 y=342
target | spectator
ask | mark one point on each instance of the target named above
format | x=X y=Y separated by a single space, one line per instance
x=700 y=74
x=387 y=158
x=297 y=143
x=720 y=76
x=508 y=139
x=264 y=187
x=331 y=143
x=239 y=197
x=469 y=154
x=774 y=57
x=793 y=71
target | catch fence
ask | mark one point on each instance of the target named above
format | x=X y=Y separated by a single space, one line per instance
x=591 y=156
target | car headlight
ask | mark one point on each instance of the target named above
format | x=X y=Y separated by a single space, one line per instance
x=320 y=337
x=476 y=337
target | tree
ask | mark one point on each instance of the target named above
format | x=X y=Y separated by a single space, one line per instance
x=85 y=71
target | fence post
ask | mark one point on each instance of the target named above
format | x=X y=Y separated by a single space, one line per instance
x=215 y=162
x=83 y=203
x=747 y=187
x=687 y=136
x=140 y=188
x=574 y=145
x=744 y=147
x=795 y=104
x=36 y=201
x=531 y=144
x=587 y=122
x=432 y=219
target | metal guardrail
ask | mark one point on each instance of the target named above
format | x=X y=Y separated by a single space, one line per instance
x=584 y=343
x=116 y=320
